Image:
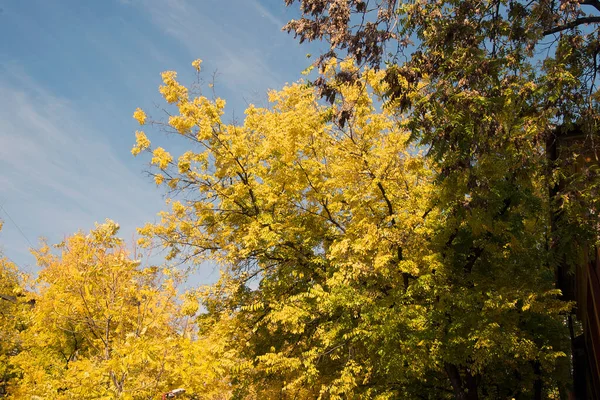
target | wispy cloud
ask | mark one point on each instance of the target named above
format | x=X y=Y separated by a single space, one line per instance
x=79 y=70
x=233 y=45
x=264 y=12
x=60 y=174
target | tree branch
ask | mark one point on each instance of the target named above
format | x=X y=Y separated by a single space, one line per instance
x=573 y=24
x=12 y=299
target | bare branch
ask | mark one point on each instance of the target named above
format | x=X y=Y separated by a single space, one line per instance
x=573 y=24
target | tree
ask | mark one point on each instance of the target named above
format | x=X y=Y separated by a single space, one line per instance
x=14 y=307
x=349 y=269
x=441 y=41
x=103 y=327
x=456 y=69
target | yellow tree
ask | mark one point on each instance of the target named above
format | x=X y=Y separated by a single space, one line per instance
x=104 y=327
x=328 y=231
x=14 y=307
x=328 y=219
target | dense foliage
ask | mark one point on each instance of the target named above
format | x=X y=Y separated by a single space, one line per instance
x=389 y=229
x=98 y=325
x=350 y=266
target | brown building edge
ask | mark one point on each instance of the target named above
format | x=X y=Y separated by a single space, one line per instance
x=581 y=285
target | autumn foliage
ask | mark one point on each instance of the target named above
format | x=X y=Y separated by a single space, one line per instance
x=383 y=231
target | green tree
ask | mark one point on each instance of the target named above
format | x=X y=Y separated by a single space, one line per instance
x=486 y=84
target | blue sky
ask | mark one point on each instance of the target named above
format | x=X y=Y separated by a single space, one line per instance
x=73 y=71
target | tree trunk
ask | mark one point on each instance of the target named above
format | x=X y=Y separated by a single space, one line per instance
x=463 y=390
